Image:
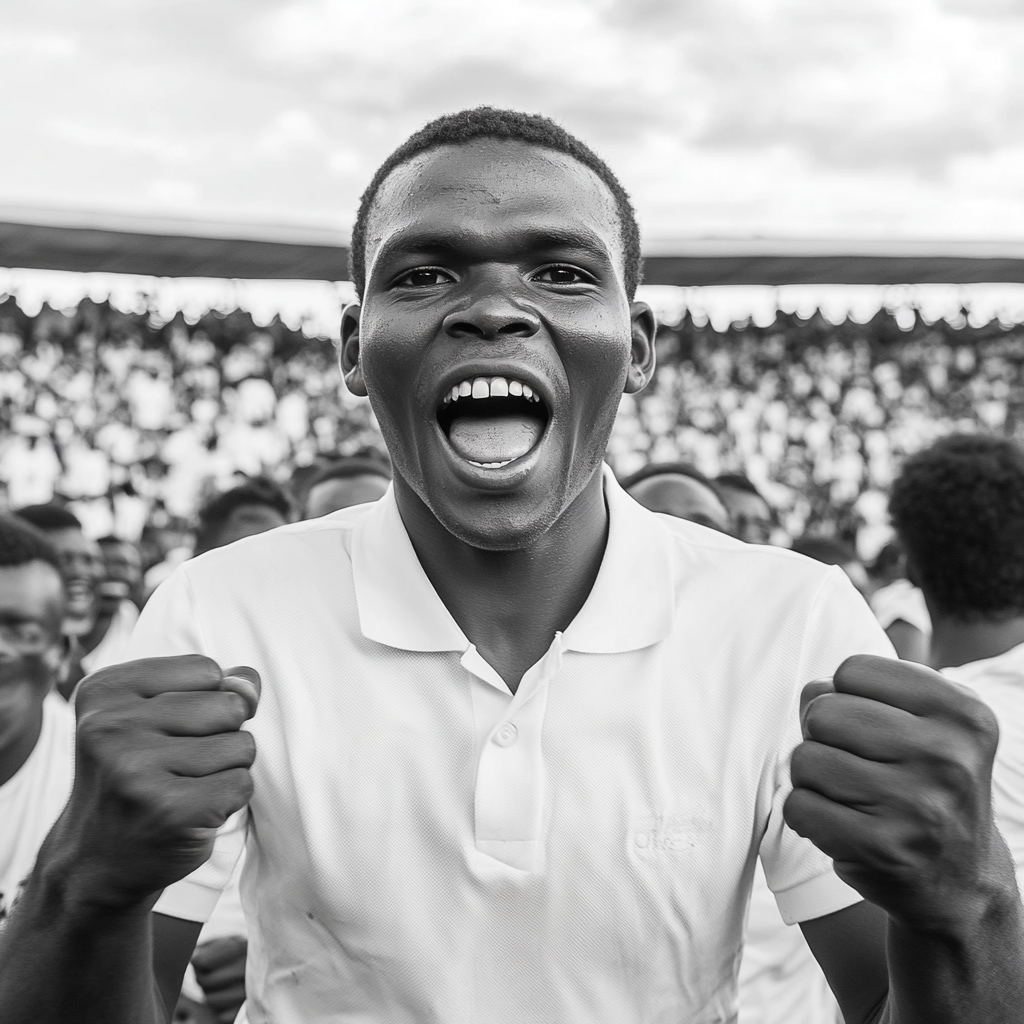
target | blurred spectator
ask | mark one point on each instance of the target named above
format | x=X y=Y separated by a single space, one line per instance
x=681 y=490
x=899 y=606
x=37 y=728
x=250 y=508
x=750 y=514
x=958 y=508
x=123 y=566
x=345 y=481
x=835 y=552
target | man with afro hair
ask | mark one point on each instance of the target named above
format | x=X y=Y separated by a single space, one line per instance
x=958 y=508
x=520 y=741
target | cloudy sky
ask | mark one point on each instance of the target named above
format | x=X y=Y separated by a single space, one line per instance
x=831 y=118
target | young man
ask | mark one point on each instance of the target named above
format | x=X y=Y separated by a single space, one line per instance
x=752 y=517
x=250 y=508
x=958 y=508
x=520 y=741
x=37 y=728
x=681 y=490
x=344 y=482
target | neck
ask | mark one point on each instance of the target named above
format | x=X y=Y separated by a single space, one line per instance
x=19 y=739
x=958 y=641
x=510 y=604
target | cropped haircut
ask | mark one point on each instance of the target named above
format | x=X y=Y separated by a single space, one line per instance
x=21 y=543
x=739 y=482
x=958 y=509
x=349 y=466
x=216 y=512
x=50 y=516
x=654 y=469
x=508 y=126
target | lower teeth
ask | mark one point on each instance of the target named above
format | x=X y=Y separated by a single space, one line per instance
x=489 y=465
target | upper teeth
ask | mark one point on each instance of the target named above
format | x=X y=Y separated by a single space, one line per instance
x=490 y=387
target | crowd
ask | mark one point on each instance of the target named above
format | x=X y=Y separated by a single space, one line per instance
x=137 y=421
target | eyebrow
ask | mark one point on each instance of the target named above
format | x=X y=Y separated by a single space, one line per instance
x=457 y=244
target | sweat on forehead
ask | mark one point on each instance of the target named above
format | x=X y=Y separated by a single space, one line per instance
x=488 y=126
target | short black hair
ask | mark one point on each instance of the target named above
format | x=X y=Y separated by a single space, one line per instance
x=958 y=509
x=21 y=543
x=506 y=125
x=50 y=516
x=653 y=469
x=829 y=550
x=216 y=512
x=739 y=482
x=348 y=466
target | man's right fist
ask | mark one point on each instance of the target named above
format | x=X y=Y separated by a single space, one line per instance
x=161 y=763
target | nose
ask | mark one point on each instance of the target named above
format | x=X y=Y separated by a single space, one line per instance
x=492 y=316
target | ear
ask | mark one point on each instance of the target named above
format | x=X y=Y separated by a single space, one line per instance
x=351 y=368
x=642 y=355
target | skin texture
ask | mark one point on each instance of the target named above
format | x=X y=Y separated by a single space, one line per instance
x=343 y=492
x=682 y=497
x=751 y=516
x=31 y=650
x=892 y=779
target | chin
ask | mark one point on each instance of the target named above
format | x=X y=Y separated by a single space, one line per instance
x=496 y=525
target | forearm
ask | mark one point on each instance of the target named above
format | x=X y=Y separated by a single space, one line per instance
x=976 y=977
x=60 y=961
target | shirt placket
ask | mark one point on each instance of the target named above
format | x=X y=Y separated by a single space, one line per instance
x=509 y=794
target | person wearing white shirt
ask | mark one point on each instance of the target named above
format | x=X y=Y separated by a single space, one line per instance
x=958 y=508
x=520 y=741
x=37 y=728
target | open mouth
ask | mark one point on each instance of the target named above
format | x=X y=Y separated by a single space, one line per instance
x=492 y=421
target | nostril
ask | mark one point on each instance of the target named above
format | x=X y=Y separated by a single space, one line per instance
x=483 y=323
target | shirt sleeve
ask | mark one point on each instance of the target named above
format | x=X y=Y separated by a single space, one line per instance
x=168 y=626
x=840 y=624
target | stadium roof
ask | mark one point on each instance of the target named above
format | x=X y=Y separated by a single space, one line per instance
x=123 y=244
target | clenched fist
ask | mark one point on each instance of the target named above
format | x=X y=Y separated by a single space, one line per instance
x=893 y=782
x=161 y=763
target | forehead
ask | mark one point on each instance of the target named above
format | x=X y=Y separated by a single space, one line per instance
x=71 y=539
x=31 y=590
x=488 y=183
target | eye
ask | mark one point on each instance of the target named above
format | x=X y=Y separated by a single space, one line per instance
x=562 y=274
x=424 y=277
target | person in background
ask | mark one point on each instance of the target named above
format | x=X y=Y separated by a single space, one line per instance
x=250 y=508
x=681 y=490
x=958 y=509
x=341 y=483
x=37 y=728
x=752 y=518
x=832 y=551
x=899 y=605
x=99 y=630
x=123 y=564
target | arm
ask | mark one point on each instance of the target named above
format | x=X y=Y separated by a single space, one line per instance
x=160 y=765
x=910 y=643
x=893 y=781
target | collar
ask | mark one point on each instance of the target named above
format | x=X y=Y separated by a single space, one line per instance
x=631 y=605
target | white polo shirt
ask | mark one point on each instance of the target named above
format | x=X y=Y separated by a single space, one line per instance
x=423 y=845
x=999 y=682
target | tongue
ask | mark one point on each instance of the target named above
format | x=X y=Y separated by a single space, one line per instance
x=494 y=438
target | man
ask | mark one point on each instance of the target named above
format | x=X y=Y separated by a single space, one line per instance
x=344 y=482
x=37 y=728
x=958 y=508
x=752 y=518
x=520 y=740
x=99 y=629
x=123 y=564
x=244 y=511
x=681 y=490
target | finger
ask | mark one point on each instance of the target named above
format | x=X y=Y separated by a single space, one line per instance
x=840 y=776
x=217 y=952
x=810 y=693
x=901 y=684
x=208 y=801
x=199 y=756
x=192 y=713
x=150 y=676
x=835 y=829
x=246 y=682
x=865 y=727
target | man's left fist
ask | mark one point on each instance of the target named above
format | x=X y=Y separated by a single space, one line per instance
x=893 y=781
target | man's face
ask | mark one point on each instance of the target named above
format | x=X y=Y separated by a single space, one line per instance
x=247 y=521
x=83 y=570
x=682 y=497
x=31 y=646
x=495 y=336
x=123 y=571
x=750 y=514
x=343 y=492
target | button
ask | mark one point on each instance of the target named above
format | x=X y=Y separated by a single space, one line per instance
x=506 y=735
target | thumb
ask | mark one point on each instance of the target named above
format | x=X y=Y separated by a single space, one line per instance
x=810 y=693
x=244 y=681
